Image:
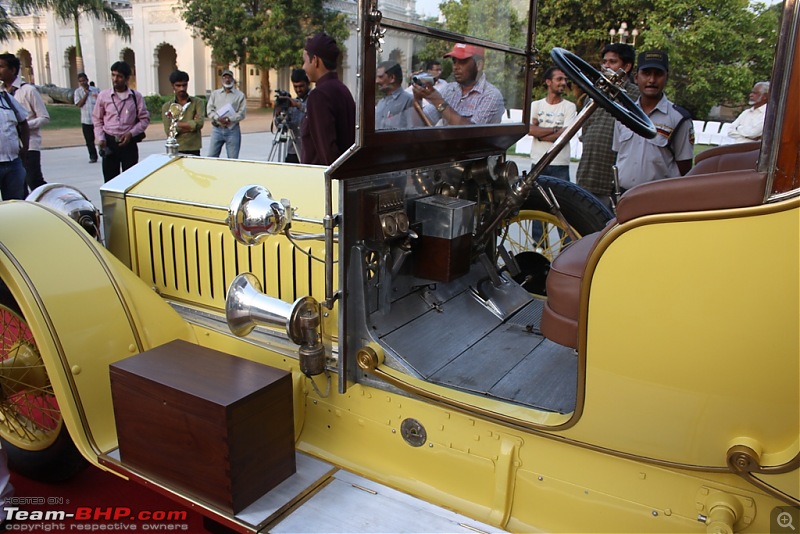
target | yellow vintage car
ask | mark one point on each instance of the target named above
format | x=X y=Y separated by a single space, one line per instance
x=466 y=347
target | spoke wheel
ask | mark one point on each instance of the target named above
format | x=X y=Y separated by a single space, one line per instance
x=535 y=237
x=29 y=414
x=32 y=429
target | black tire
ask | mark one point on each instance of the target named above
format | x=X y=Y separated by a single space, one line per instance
x=60 y=461
x=32 y=430
x=536 y=236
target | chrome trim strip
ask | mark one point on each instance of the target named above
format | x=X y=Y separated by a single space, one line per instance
x=274 y=340
x=133 y=176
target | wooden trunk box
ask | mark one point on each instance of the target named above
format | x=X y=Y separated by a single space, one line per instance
x=216 y=426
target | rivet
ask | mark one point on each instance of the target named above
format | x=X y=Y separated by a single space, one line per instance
x=76 y=369
x=541 y=478
x=655 y=513
x=430 y=445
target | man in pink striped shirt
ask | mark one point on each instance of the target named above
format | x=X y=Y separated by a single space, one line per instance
x=120 y=118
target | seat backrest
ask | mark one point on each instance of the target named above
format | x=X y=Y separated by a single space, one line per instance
x=739 y=156
x=701 y=192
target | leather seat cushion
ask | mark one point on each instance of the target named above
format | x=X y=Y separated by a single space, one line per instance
x=562 y=309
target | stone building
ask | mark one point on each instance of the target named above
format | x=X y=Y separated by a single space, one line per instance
x=160 y=42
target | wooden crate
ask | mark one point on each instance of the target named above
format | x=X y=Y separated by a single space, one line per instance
x=213 y=425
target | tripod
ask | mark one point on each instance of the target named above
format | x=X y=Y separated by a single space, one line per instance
x=283 y=135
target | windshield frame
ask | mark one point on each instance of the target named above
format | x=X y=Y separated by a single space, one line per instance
x=381 y=151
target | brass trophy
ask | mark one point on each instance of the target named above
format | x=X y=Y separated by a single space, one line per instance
x=175 y=115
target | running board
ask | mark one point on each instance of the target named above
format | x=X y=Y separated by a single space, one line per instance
x=319 y=497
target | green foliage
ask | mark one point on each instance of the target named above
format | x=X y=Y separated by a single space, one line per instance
x=8 y=28
x=267 y=33
x=717 y=48
x=63 y=116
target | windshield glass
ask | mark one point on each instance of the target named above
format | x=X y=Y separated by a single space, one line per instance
x=424 y=81
x=503 y=22
x=441 y=64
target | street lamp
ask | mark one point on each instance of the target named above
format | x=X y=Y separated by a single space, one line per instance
x=622 y=33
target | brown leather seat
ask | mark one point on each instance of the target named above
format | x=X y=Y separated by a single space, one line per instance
x=736 y=157
x=740 y=186
x=562 y=309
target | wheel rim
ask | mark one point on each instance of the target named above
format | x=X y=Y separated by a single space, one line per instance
x=29 y=415
x=535 y=239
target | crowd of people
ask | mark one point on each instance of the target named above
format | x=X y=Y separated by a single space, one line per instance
x=322 y=120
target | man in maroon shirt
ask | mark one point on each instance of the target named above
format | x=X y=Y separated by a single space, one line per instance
x=329 y=127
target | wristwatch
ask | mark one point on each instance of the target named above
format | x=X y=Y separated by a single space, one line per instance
x=441 y=107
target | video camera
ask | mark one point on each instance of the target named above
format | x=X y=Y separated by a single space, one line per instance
x=283 y=100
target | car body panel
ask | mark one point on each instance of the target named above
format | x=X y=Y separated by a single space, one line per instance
x=88 y=309
x=687 y=361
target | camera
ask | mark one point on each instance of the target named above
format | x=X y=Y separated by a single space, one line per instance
x=282 y=99
x=423 y=79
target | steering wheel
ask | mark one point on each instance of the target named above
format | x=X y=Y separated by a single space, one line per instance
x=606 y=94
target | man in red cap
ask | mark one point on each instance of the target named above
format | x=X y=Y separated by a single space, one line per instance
x=468 y=100
x=330 y=124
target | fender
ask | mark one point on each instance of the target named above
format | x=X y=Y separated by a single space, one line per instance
x=86 y=310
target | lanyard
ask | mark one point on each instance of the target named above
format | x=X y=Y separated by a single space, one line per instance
x=119 y=115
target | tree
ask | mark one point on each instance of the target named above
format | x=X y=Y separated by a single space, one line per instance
x=8 y=28
x=267 y=33
x=70 y=11
x=717 y=48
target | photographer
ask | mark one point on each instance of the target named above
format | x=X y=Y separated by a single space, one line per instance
x=293 y=111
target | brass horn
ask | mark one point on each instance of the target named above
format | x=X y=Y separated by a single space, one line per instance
x=247 y=306
x=254 y=215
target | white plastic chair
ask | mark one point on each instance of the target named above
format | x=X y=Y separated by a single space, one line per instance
x=698 y=129
x=711 y=129
x=524 y=145
x=722 y=138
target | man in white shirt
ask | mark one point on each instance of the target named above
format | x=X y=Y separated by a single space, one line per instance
x=750 y=124
x=549 y=117
x=227 y=107
x=86 y=98
x=14 y=134
x=31 y=101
